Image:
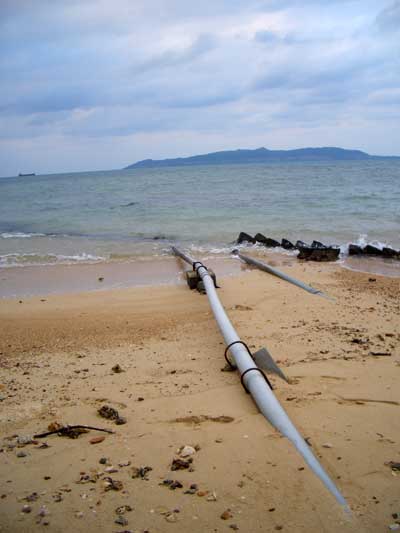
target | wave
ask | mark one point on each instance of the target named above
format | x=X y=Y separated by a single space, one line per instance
x=363 y=241
x=20 y=235
x=32 y=259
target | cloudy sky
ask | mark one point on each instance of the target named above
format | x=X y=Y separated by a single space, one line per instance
x=99 y=84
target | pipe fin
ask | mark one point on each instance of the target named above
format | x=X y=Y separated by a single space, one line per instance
x=263 y=359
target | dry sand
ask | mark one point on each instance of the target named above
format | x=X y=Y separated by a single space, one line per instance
x=57 y=354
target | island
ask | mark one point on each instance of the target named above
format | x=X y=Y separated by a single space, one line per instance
x=262 y=155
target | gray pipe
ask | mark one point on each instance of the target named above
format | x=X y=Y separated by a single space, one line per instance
x=256 y=384
x=267 y=268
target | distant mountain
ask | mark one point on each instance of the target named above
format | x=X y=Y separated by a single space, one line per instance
x=261 y=155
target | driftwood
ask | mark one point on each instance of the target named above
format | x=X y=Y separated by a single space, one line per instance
x=72 y=432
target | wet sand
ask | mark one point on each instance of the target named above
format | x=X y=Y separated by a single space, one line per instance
x=57 y=357
x=66 y=279
x=39 y=280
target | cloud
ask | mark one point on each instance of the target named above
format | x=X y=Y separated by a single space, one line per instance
x=389 y=18
x=234 y=70
x=202 y=44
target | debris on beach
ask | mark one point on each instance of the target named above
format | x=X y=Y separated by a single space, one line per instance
x=226 y=515
x=23 y=440
x=88 y=478
x=186 y=451
x=117 y=369
x=181 y=464
x=121 y=464
x=193 y=419
x=21 y=453
x=192 y=489
x=73 y=432
x=395 y=466
x=141 y=472
x=96 y=440
x=111 y=414
x=111 y=470
x=172 y=484
x=122 y=509
x=171 y=517
x=112 y=484
x=32 y=497
x=121 y=520
x=42 y=513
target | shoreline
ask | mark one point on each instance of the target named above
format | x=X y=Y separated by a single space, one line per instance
x=35 y=280
x=27 y=281
x=57 y=359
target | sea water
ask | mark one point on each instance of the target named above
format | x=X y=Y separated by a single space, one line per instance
x=126 y=215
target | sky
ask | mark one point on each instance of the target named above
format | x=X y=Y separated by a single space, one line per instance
x=99 y=84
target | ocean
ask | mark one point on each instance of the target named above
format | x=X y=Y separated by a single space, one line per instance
x=128 y=215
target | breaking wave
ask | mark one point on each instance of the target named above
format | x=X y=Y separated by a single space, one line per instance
x=31 y=259
x=20 y=235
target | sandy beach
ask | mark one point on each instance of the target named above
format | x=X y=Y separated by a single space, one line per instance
x=58 y=355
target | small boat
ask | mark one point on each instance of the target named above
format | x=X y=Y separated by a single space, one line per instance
x=26 y=175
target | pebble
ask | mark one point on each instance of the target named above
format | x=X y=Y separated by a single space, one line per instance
x=26 y=509
x=117 y=369
x=192 y=489
x=103 y=460
x=171 y=517
x=23 y=440
x=393 y=465
x=234 y=527
x=394 y=527
x=112 y=414
x=181 y=464
x=122 y=509
x=111 y=470
x=43 y=511
x=327 y=445
x=32 y=497
x=175 y=485
x=96 y=440
x=112 y=484
x=160 y=510
x=212 y=497
x=21 y=454
x=187 y=451
x=226 y=514
x=121 y=520
x=140 y=472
